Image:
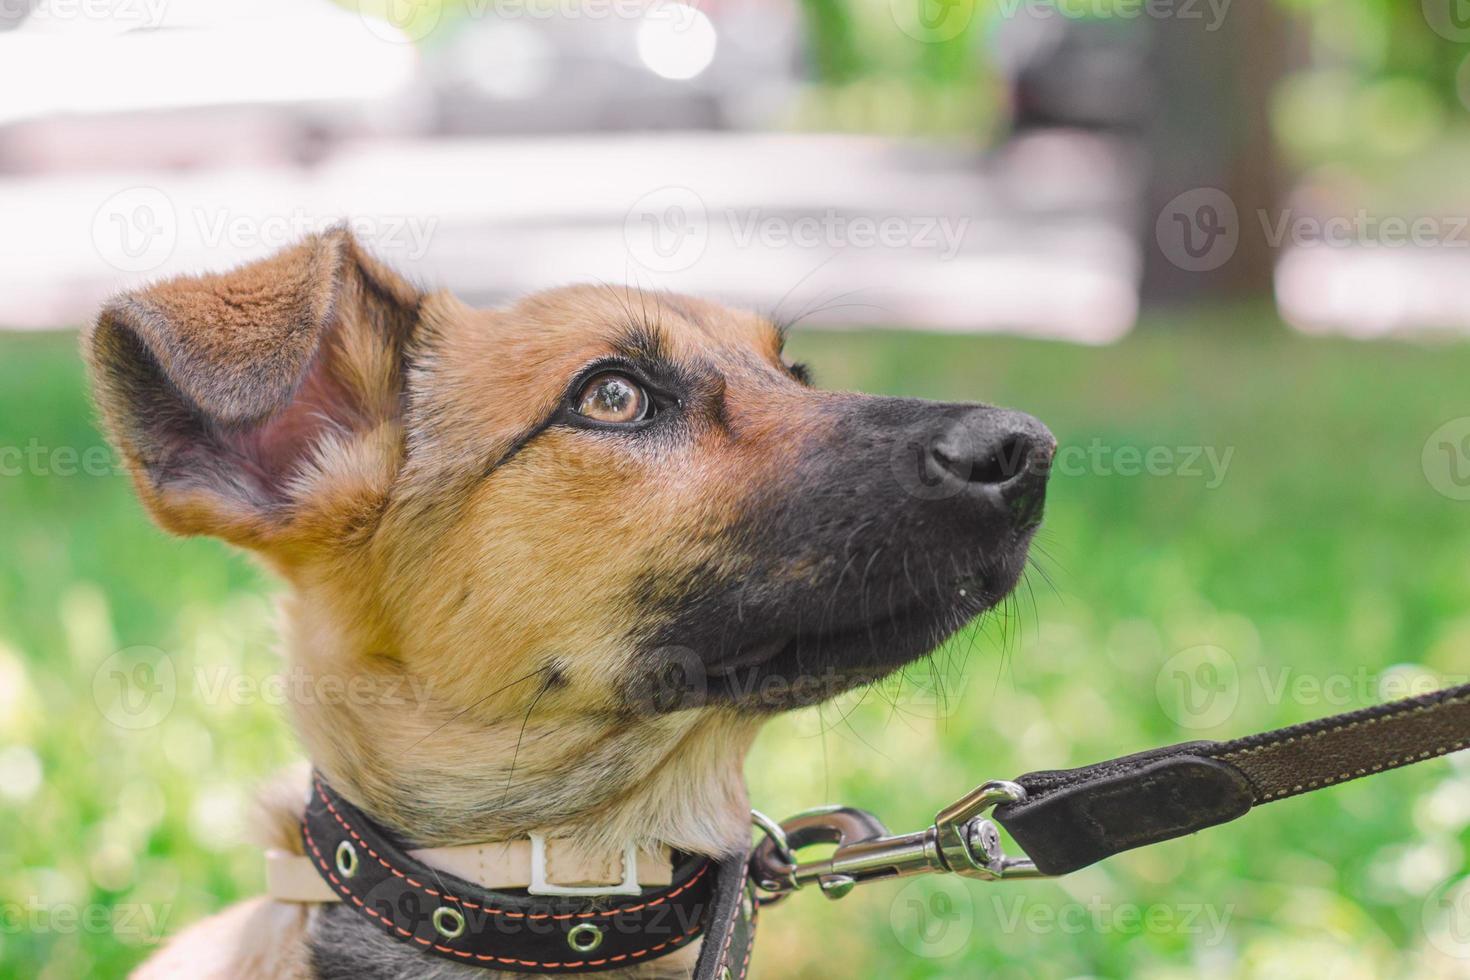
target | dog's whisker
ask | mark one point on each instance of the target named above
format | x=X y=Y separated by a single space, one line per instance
x=515 y=755
x=470 y=707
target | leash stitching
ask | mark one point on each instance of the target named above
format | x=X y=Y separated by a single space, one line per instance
x=1267 y=797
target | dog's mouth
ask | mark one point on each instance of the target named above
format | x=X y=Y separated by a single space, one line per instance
x=782 y=659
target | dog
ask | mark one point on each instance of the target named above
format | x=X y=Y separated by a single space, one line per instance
x=604 y=533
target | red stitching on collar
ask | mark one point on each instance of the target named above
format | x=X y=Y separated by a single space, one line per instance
x=755 y=913
x=482 y=957
x=506 y=912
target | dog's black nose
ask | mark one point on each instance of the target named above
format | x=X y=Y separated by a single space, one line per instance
x=998 y=455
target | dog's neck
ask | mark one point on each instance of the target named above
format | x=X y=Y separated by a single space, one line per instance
x=438 y=775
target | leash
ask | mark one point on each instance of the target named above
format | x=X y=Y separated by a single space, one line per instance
x=1065 y=820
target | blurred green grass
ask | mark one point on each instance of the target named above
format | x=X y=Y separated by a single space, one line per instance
x=1321 y=560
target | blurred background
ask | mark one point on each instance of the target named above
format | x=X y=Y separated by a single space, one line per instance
x=1221 y=248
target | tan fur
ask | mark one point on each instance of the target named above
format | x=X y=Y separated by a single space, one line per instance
x=256 y=938
x=443 y=595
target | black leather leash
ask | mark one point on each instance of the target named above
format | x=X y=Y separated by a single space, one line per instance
x=448 y=917
x=1068 y=819
x=1075 y=817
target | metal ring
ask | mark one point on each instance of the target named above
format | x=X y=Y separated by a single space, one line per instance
x=777 y=834
x=448 y=922
x=584 y=937
x=346 y=859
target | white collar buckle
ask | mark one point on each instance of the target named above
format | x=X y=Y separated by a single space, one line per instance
x=540 y=886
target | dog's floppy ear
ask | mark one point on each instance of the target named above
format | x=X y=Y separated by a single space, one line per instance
x=263 y=404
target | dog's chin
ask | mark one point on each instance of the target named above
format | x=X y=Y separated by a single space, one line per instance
x=781 y=672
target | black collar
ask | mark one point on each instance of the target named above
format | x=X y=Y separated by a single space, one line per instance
x=445 y=916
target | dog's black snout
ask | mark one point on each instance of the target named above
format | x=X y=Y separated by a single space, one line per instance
x=1005 y=450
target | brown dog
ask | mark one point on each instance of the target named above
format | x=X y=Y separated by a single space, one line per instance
x=607 y=532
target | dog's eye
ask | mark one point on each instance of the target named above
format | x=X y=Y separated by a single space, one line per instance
x=613 y=398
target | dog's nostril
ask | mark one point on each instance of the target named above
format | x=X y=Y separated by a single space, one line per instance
x=1004 y=464
x=993 y=460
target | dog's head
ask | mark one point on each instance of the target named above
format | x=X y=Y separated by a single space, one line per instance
x=630 y=497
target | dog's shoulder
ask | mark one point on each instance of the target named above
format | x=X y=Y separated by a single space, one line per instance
x=252 y=939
